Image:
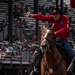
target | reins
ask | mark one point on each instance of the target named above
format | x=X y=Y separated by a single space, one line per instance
x=53 y=68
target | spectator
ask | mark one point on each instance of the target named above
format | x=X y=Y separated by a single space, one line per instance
x=26 y=8
x=16 y=12
x=65 y=10
x=47 y=9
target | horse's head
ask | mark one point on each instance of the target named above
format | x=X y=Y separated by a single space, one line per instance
x=47 y=39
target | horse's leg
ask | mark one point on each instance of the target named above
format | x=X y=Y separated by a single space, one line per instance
x=43 y=71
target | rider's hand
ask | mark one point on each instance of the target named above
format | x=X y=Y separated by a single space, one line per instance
x=55 y=35
x=29 y=14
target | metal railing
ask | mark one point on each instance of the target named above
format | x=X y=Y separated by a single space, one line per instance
x=16 y=62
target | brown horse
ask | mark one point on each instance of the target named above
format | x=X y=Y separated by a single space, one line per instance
x=52 y=62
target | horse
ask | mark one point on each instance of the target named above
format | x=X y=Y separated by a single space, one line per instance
x=52 y=62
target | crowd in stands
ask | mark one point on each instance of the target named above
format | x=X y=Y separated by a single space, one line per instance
x=19 y=10
x=18 y=50
x=43 y=9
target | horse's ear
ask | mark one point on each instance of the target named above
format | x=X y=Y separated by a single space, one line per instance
x=54 y=36
x=51 y=29
x=52 y=26
x=45 y=24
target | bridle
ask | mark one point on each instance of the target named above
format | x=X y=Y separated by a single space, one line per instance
x=49 y=42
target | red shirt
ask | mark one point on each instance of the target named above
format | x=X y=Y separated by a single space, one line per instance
x=72 y=3
x=62 y=26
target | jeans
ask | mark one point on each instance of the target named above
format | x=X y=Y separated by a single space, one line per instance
x=38 y=59
x=68 y=48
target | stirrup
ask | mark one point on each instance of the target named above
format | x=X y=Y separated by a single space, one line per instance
x=73 y=60
x=31 y=73
x=70 y=68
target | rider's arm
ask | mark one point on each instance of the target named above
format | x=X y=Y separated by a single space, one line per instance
x=64 y=31
x=41 y=17
x=72 y=3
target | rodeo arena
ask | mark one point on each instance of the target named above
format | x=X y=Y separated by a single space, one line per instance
x=20 y=38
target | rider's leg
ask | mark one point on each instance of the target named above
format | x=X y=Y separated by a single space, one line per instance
x=38 y=60
x=37 y=63
x=68 y=48
x=70 y=51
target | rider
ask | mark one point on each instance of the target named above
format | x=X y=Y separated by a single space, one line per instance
x=61 y=28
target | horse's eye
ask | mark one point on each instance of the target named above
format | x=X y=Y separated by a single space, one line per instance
x=50 y=33
x=44 y=46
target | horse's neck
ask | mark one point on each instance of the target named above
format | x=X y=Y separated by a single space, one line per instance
x=54 y=53
x=53 y=57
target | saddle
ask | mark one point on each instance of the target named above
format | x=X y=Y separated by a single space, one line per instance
x=65 y=55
